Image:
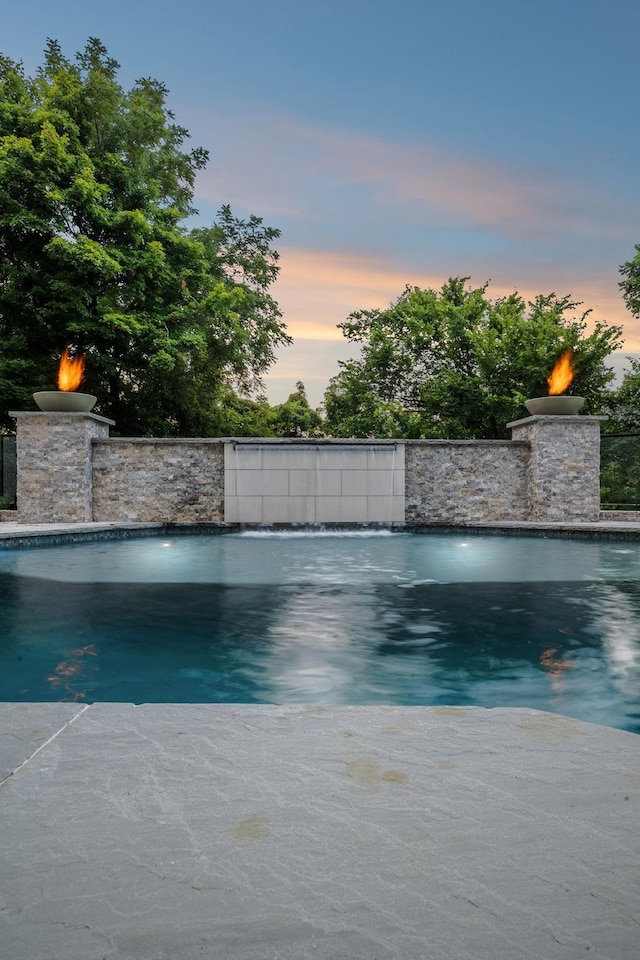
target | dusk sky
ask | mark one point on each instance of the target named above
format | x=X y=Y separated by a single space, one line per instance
x=394 y=143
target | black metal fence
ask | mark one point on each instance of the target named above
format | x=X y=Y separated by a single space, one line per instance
x=7 y=472
x=620 y=471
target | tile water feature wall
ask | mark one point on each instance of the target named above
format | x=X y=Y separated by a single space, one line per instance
x=335 y=482
x=70 y=470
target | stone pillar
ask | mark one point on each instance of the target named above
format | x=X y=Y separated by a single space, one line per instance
x=54 y=464
x=564 y=466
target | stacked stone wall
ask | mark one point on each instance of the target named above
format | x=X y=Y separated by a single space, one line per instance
x=54 y=466
x=158 y=480
x=621 y=516
x=465 y=481
x=70 y=471
x=564 y=466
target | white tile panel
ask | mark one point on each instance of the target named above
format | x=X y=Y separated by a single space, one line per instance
x=354 y=483
x=341 y=509
x=333 y=458
x=229 y=457
x=288 y=510
x=242 y=458
x=243 y=509
x=380 y=483
x=230 y=486
x=262 y=483
x=308 y=484
x=289 y=458
x=314 y=482
x=385 y=509
x=386 y=458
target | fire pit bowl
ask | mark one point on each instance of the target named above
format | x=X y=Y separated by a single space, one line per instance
x=64 y=401
x=554 y=406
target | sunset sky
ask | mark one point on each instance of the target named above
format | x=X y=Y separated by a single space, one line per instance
x=394 y=143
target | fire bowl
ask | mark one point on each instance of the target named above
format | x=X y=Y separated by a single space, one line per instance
x=62 y=401
x=554 y=406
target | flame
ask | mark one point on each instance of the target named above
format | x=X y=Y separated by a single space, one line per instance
x=562 y=374
x=70 y=371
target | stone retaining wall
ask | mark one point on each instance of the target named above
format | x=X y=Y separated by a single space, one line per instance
x=69 y=471
x=147 y=480
x=54 y=464
x=465 y=481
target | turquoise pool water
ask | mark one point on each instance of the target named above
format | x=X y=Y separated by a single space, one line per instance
x=351 y=618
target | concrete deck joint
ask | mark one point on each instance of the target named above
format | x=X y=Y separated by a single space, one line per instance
x=43 y=746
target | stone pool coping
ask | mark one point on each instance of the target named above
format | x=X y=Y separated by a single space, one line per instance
x=176 y=832
x=26 y=534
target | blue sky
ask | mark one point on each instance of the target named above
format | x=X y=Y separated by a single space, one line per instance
x=394 y=142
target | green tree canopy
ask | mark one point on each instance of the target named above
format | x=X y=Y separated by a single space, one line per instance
x=454 y=363
x=295 y=417
x=96 y=186
x=630 y=283
x=622 y=406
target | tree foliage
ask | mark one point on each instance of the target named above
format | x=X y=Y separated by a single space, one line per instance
x=630 y=284
x=295 y=417
x=454 y=363
x=622 y=406
x=96 y=186
x=620 y=471
x=246 y=417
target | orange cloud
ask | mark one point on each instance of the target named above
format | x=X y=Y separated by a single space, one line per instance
x=317 y=290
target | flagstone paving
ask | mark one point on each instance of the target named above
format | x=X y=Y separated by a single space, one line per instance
x=176 y=832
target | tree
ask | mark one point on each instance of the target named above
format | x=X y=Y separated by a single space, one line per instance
x=96 y=186
x=295 y=417
x=619 y=460
x=456 y=364
x=630 y=285
x=622 y=406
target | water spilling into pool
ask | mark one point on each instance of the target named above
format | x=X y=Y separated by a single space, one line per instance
x=353 y=618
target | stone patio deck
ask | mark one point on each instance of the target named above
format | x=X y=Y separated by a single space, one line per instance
x=176 y=832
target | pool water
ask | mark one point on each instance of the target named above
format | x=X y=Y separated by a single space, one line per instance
x=351 y=618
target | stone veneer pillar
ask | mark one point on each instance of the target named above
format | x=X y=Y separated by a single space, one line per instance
x=564 y=466
x=54 y=464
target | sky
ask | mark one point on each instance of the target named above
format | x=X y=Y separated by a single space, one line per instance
x=394 y=142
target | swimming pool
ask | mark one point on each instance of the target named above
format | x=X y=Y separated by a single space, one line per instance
x=351 y=618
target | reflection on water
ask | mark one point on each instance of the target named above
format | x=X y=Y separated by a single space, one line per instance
x=572 y=647
x=71 y=673
x=405 y=560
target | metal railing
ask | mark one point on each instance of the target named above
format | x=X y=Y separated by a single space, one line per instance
x=620 y=471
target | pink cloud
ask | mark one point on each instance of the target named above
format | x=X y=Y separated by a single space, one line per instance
x=278 y=165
